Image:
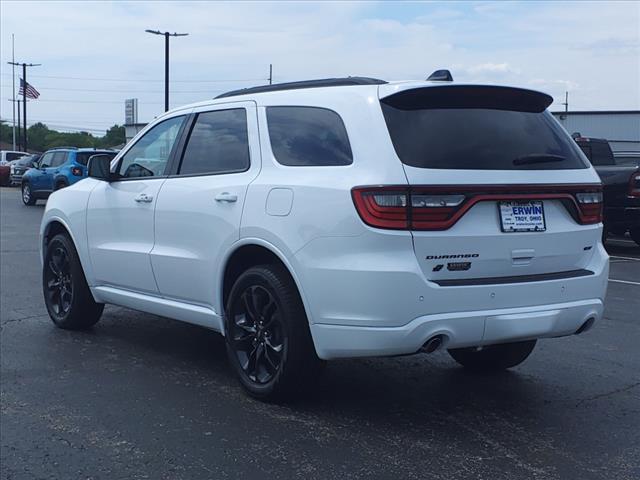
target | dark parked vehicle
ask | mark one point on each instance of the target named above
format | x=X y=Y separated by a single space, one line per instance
x=627 y=158
x=20 y=166
x=621 y=187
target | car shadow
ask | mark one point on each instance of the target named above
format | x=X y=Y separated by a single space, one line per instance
x=417 y=386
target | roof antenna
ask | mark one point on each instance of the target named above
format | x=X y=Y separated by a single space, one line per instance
x=440 y=76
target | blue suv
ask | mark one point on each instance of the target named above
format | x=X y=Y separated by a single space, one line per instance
x=56 y=169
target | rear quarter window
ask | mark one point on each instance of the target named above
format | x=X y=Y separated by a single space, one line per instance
x=308 y=137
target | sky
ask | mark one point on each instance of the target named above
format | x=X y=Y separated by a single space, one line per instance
x=94 y=55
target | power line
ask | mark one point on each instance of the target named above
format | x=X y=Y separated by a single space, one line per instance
x=230 y=80
x=61 y=100
x=117 y=91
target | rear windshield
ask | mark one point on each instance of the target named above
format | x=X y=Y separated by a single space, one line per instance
x=83 y=157
x=598 y=153
x=478 y=128
x=14 y=156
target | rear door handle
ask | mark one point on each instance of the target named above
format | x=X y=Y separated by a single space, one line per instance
x=226 y=197
x=144 y=198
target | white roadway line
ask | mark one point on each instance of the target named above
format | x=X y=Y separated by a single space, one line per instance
x=624 y=281
x=625 y=258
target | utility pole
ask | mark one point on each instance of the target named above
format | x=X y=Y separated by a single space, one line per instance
x=270 y=73
x=13 y=87
x=166 y=61
x=19 y=142
x=24 y=99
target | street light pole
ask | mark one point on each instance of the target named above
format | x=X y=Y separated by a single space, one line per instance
x=166 y=61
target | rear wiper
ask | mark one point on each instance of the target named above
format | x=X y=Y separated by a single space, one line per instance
x=538 y=158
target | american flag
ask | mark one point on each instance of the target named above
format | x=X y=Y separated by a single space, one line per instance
x=31 y=92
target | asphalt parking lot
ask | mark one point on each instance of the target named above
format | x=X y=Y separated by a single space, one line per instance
x=146 y=397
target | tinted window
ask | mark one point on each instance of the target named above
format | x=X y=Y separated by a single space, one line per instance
x=218 y=143
x=46 y=160
x=598 y=153
x=13 y=156
x=463 y=128
x=58 y=159
x=83 y=157
x=149 y=155
x=308 y=136
x=28 y=161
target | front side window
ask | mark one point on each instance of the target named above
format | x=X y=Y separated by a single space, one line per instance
x=308 y=136
x=58 y=159
x=218 y=143
x=46 y=160
x=148 y=157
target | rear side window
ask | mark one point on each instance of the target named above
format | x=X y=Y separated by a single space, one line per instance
x=478 y=128
x=218 y=143
x=308 y=137
x=598 y=153
x=83 y=157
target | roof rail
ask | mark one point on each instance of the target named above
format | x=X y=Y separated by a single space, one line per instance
x=326 y=82
x=63 y=148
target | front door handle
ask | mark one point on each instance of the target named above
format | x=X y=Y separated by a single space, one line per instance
x=226 y=197
x=144 y=198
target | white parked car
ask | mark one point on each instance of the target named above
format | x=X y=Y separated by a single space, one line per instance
x=7 y=156
x=340 y=218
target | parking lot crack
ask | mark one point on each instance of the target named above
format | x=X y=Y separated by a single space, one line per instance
x=608 y=394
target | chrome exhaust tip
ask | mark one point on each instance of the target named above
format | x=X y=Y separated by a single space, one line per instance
x=433 y=344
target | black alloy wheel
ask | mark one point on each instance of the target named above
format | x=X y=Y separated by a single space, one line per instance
x=67 y=296
x=58 y=281
x=267 y=335
x=257 y=334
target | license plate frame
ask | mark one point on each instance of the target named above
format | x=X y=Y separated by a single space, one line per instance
x=511 y=222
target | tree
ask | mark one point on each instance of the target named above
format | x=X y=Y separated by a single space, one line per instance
x=115 y=136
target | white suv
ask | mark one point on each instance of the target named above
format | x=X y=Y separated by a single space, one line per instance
x=340 y=218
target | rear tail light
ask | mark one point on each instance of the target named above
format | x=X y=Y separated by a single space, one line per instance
x=590 y=207
x=634 y=185
x=405 y=209
x=77 y=171
x=382 y=208
x=440 y=207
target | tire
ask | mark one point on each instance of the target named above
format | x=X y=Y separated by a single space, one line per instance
x=60 y=186
x=493 y=357
x=66 y=293
x=28 y=198
x=635 y=235
x=267 y=336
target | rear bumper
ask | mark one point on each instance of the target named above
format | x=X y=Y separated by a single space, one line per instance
x=369 y=297
x=461 y=329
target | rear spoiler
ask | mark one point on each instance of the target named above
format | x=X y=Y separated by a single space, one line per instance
x=465 y=96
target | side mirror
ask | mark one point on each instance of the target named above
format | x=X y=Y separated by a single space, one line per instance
x=99 y=167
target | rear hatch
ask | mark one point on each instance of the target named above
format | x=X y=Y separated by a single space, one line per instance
x=498 y=191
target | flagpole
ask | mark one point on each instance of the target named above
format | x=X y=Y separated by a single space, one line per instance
x=13 y=81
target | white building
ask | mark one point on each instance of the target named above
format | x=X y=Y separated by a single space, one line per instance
x=621 y=127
